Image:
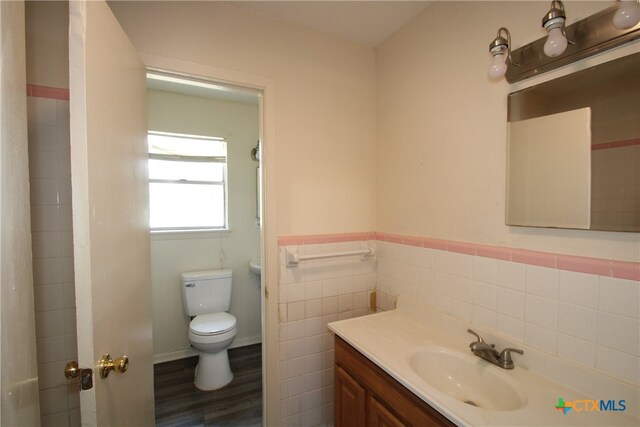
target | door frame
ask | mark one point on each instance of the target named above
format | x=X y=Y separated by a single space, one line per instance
x=268 y=232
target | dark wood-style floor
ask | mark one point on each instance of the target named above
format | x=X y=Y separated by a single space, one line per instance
x=180 y=403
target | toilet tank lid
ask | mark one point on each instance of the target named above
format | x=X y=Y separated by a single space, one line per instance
x=206 y=274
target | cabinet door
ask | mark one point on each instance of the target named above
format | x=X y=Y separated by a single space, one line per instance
x=380 y=416
x=349 y=400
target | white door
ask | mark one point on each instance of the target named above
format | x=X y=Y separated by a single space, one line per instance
x=110 y=215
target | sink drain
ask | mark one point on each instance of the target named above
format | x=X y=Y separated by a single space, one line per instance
x=471 y=402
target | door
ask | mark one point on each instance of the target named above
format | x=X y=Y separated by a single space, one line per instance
x=349 y=400
x=110 y=215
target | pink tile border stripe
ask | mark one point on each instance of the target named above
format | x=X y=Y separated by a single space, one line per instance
x=626 y=270
x=47 y=92
x=598 y=266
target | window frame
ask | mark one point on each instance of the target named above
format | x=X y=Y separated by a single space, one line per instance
x=187 y=159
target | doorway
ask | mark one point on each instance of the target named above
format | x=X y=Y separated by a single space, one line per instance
x=213 y=224
x=104 y=96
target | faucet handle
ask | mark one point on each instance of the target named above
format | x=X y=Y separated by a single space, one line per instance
x=479 y=338
x=505 y=357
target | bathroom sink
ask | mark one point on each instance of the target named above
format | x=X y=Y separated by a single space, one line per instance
x=466 y=378
x=255 y=266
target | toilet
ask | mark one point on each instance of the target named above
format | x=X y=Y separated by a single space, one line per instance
x=206 y=296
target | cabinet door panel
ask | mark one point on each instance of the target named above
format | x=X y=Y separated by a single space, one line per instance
x=380 y=416
x=349 y=400
x=380 y=387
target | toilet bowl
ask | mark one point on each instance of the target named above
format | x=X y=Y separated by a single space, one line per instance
x=211 y=335
x=206 y=297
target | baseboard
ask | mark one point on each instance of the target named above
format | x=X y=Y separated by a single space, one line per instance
x=174 y=355
x=190 y=352
x=246 y=341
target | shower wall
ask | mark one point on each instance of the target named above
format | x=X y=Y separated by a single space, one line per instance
x=52 y=240
x=46 y=27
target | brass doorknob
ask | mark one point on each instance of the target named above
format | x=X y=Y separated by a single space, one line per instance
x=71 y=370
x=120 y=365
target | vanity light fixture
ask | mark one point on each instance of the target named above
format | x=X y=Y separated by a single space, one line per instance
x=627 y=15
x=500 y=48
x=594 y=34
x=553 y=22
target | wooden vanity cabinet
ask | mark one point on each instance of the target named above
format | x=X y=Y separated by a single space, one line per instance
x=365 y=395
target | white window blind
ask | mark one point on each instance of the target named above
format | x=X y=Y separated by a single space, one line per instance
x=187 y=182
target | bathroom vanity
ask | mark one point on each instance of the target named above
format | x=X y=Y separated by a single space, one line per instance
x=412 y=367
x=365 y=395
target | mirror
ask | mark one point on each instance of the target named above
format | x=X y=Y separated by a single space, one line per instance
x=573 y=150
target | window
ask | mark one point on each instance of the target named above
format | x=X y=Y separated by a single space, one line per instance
x=187 y=182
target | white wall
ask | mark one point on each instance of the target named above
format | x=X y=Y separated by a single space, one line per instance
x=325 y=98
x=19 y=379
x=441 y=174
x=172 y=254
x=442 y=130
x=47 y=34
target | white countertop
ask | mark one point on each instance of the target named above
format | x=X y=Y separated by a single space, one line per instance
x=389 y=338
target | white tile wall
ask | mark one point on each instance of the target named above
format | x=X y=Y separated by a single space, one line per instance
x=619 y=296
x=310 y=296
x=52 y=240
x=591 y=320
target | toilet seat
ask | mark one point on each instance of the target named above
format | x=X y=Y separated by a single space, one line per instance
x=212 y=324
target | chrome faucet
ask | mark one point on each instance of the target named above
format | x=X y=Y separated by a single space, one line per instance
x=490 y=354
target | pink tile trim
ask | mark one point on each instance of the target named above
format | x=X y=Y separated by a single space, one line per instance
x=601 y=267
x=615 y=144
x=626 y=270
x=47 y=92
x=413 y=241
x=598 y=266
x=436 y=244
x=542 y=259
x=462 y=248
x=394 y=238
x=496 y=252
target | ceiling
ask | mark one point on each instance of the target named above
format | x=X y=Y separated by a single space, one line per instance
x=365 y=22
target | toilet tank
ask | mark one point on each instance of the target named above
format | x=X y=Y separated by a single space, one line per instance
x=206 y=292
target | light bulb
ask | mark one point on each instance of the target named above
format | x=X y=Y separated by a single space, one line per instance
x=498 y=67
x=628 y=14
x=556 y=42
